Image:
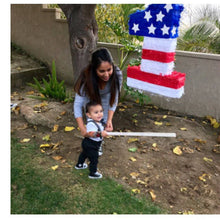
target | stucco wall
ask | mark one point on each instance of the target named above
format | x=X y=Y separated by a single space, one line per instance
x=41 y=34
x=38 y=32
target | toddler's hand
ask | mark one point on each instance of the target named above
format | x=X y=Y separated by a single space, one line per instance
x=104 y=134
x=90 y=134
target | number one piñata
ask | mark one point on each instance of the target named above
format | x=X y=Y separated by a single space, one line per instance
x=158 y=23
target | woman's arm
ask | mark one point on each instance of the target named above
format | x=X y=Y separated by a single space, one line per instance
x=109 y=126
x=78 y=106
x=81 y=126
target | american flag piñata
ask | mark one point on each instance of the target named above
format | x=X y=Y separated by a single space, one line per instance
x=158 y=23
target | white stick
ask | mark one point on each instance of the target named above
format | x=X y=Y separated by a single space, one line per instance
x=143 y=134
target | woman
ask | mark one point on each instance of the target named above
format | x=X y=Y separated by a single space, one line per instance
x=101 y=82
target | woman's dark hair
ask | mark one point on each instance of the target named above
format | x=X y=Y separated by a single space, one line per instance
x=89 y=78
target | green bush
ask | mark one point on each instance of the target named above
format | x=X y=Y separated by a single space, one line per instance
x=52 y=89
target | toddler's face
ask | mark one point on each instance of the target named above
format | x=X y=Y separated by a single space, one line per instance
x=95 y=113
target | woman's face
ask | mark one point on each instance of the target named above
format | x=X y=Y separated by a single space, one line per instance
x=104 y=71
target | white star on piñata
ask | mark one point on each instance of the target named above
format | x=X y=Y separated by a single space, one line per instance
x=160 y=16
x=174 y=30
x=165 y=29
x=168 y=7
x=151 y=29
x=135 y=28
x=147 y=15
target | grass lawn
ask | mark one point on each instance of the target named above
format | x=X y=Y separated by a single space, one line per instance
x=37 y=189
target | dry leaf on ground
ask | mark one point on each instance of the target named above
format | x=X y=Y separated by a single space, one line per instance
x=136 y=191
x=158 y=123
x=130 y=140
x=30 y=92
x=69 y=128
x=142 y=171
x=154 y=145
x=183 y=189
x=134 y=175
x=45 y=145
x=177 y=150
x=55 y=128
x=202 y=177
x=132 y=159
x=46 y=138
x=183 y=129
x=213 y=121
x=57 y=157
x=25 y=140
x=188 y=150
x=16 y=110
x=63 y=113
x=141 y=182
x=153 y=196
x=207 y=159
x=54 y=167
x=41 y=105
x=168 y=124
x=200 y=141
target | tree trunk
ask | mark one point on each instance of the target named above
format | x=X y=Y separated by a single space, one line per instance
x=83 y=33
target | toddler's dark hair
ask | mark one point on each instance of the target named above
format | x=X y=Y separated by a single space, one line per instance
x=91 y=104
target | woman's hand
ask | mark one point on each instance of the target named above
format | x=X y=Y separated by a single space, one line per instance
x=109 y=126
x=83 y=131
x=81 y=126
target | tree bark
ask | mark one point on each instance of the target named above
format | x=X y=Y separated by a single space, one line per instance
x=83 y=33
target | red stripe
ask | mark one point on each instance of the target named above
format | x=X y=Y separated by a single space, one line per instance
x=175 y=81
x=159 y=56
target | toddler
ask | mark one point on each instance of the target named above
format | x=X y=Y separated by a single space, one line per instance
x=92 y=142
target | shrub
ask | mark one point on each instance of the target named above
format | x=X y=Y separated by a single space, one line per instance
x=52 y=89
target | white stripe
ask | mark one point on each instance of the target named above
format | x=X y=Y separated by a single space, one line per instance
x=161 y=90
x=157 y=68
x=160 y=44
x=142 y=134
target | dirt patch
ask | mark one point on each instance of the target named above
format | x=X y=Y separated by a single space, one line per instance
x=186 y=183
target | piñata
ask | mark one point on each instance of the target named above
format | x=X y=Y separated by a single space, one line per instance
x=158 y=23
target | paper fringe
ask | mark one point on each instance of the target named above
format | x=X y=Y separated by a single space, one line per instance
x=160 y=44
x=157 y=68
x=158 y=56
x=161 y=90
x=175 y=80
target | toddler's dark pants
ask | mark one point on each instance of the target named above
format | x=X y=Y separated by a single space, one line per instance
x=90 y=151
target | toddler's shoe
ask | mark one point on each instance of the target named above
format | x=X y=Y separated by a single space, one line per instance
x=81 y=166
x=95 y=175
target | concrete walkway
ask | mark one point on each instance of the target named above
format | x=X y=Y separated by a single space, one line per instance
x=24 y=68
